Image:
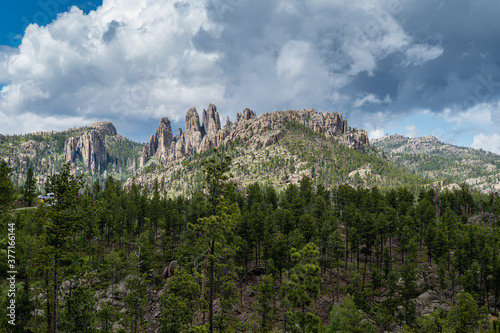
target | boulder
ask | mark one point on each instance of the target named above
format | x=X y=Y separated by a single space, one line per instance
x=170 y=269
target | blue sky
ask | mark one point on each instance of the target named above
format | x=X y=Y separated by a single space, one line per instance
x=15 y=16
x=412 y=67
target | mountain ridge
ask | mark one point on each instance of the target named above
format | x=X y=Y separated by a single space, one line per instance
x=209 y=134
x=432 y=159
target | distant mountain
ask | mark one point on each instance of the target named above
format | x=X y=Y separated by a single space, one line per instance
x=274 y=148
x=429 y=158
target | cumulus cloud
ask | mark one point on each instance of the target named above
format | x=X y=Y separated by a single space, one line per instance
x=126 y=60
x=5 y=53
x=479 y=115
x=135 y=61
x=376 y=133
x=487 y=142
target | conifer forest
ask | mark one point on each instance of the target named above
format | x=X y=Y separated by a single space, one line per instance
x=102 y=258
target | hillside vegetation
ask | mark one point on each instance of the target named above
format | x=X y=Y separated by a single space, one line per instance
x=429 y=158
x=301 y=152
x=305 y=259
x=44 y=153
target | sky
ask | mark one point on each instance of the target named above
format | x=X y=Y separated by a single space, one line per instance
x=412 y=67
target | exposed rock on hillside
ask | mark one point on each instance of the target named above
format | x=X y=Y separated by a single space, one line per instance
x=89 y=148
x=258 y=132
x=105 y=127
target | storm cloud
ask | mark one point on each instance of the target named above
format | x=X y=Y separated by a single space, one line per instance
x=132 y=62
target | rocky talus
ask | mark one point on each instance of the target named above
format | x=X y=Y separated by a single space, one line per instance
x=257 y=132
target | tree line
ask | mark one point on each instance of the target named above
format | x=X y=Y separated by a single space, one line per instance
x=307 y=259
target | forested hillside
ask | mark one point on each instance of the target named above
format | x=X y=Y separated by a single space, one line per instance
x=429 y=158
x=46 y=152
x=256 y=259
x=300 y=152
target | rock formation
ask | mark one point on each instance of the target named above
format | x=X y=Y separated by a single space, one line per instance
x=89 y=148
x=210 y=134
x=159 y=143
x=105 y=127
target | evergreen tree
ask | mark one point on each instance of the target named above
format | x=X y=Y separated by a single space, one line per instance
x=337 y=250
x=465 y=315
x=180 y=301
x=6 y=187
x=265 y=302
x=222 y=220
x=64 y=220
x=302 y=288
x=29 y=188
x=346 y=318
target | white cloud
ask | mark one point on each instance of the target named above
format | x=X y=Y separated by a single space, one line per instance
x=419 y=54
x=487 y=142
x=137 y=60
x=36 y=122
x=376 y=133
x=411 y=131
x=5 y=53
x=127 y=58
x=479 y=115
x=371 y=98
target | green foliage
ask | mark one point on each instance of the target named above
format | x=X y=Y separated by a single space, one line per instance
x=64 y=215
x=466 y=314
x=265 y=302
x=346 y=318
x=79 y=314
x=303 y=287
x=95 y=238
x=6 y=187
x=29 y=188
x=180 y=301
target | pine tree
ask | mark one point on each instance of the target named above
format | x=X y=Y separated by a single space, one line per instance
x=64 y=220
x=302 y=288
x=6 y=187
x=465 y=315
x=29 y=189
x=265 y=302
x=180 y=301
x=222 y=221
x=337 y=250
x=346 y=318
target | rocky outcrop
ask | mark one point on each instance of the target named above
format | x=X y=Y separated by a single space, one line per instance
x=258 y=132
x=33 y=146
x=160 y=143
x=105 y=127
x=193 y=134
x=428 y=301
x=89 y=148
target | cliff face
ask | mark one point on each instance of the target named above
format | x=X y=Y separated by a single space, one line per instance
x=209 y=134
x=90 y=147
